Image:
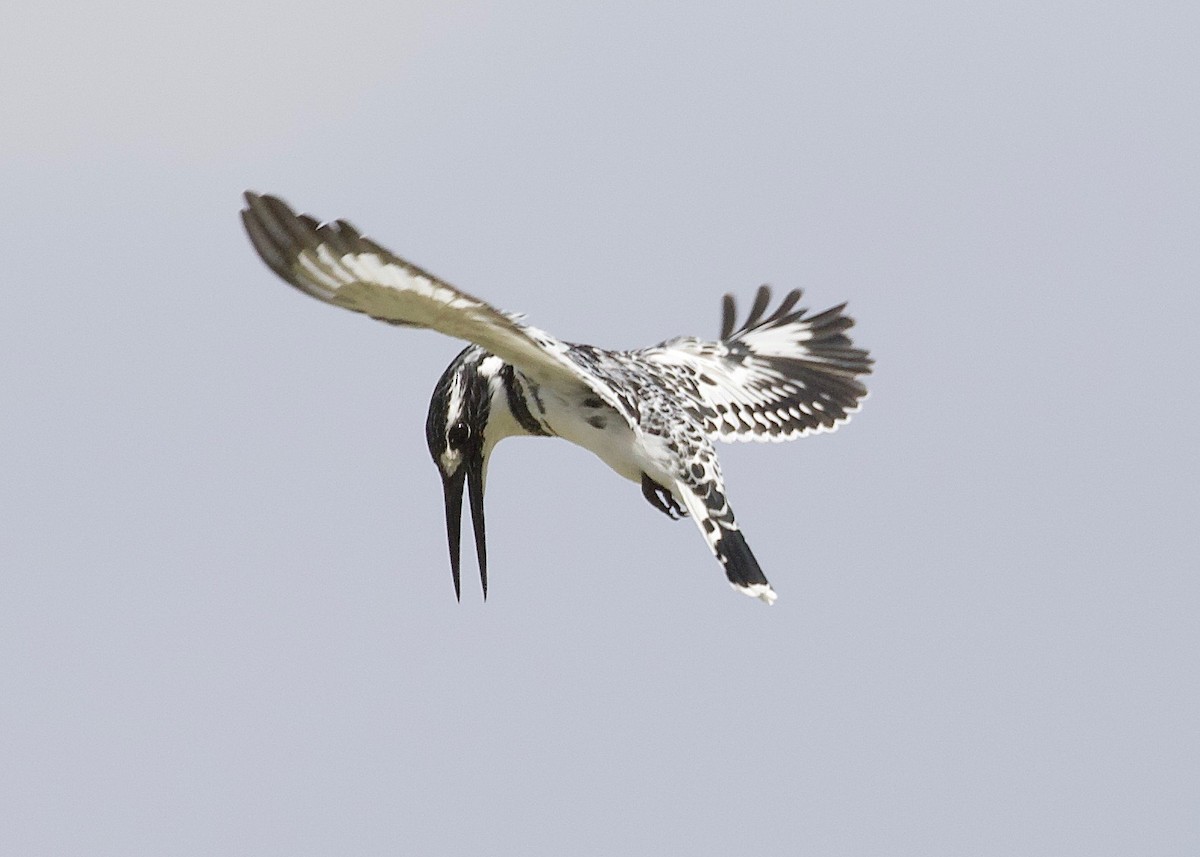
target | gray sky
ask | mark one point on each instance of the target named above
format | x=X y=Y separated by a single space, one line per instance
x=227 y=624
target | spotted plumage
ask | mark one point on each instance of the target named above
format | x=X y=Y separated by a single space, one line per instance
x=650 y=414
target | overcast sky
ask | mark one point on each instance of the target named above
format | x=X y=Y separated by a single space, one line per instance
x=227 y=624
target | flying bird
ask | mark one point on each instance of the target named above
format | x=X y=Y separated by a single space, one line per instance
x=652 y=415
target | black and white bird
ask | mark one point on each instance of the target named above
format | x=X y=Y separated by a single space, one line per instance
x=651 y=415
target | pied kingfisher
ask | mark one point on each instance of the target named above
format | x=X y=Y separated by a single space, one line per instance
x=651 y=415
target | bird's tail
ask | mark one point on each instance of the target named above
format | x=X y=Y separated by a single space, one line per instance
x=742 y=568
x=707 y=505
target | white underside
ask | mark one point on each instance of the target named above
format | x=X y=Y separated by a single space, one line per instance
x=632 y=455
x=628 y=454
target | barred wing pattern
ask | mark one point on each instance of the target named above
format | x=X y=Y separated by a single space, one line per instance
x=334 y=263
x=774 y=378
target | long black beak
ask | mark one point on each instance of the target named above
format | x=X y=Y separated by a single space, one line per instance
x=471 y=473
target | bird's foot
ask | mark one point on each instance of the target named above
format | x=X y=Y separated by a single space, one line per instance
x=662 y=499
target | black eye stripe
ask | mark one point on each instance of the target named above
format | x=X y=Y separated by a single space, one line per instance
x=458 y=434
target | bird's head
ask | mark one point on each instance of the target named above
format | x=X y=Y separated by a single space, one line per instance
x=457 y=433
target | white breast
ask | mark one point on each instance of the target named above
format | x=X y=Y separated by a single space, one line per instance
x=600 y=430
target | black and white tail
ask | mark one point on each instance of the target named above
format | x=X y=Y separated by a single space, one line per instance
x=710 y=510
x=741 y=567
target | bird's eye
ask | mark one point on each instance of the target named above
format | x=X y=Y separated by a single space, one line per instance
x=458 y=435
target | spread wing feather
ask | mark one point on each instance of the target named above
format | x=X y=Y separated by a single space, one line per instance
x=774 y=378
x=336 y=264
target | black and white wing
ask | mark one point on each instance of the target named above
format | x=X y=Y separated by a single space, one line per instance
x=774 y=378
x=336 y=264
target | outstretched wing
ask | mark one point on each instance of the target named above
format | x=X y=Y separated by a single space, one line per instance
x=774 y=378
x=334 y=263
